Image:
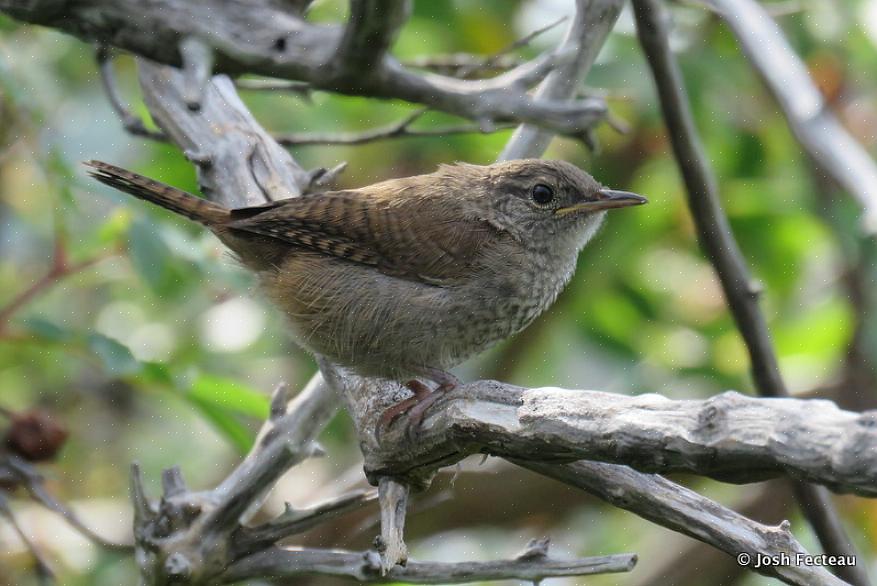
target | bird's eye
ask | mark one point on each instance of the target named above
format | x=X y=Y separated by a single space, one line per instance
x=542 y=194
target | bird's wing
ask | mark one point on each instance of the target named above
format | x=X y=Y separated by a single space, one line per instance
x=421 y=239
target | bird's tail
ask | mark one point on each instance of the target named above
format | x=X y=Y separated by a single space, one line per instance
x=176 y=200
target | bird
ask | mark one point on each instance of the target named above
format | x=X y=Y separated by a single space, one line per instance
x=406 y=278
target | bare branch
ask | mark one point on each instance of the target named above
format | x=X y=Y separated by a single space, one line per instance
x=131 y=123
x=259 y=38
x=717 y=240
x=323 y=179
x=43 y=569
x=365 y=567
x=393 y=497
x=288 y=442
x=680 y=509
x=24 y=474
x=371 y=29
x=246 y=167
x=586 y=35
x=815 y=127
x=731 y=437
x=293 y=521
x=466 y=65
x=187 y=537
x=197 y=66
x=301 y=89
x=400 y=129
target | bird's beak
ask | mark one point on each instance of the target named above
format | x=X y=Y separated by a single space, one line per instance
x=606 y=200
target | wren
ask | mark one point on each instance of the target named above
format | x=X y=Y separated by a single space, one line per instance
x=406 y=278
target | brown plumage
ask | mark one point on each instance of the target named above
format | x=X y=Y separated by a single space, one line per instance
x=409 y=277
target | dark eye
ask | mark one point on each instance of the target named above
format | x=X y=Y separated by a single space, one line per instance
x=542 y=194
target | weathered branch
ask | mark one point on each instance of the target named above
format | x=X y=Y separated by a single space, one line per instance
x=286 y=441
x=365 y=567
x=731 y=437
x=680 y=509
x=246 y=167
x=197 y=57
x=586 y=35
x=43 y=569
x=814 y=125
x=371 y=29
x=294 y=521
x=400 y=129
x=466 y=65
x=22 y=473
x=719 y=244
x=259 y=37
x=130 y=122
x=394 y=506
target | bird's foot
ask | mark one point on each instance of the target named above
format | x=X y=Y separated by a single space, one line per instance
x=415 y=407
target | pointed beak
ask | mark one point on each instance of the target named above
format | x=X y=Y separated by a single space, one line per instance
x=607 y=199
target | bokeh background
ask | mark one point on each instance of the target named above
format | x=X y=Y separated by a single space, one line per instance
x=162 y=352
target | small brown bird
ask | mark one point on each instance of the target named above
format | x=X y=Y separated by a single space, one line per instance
x=407 y=278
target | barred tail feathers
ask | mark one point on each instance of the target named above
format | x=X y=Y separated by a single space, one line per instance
x=171 y=198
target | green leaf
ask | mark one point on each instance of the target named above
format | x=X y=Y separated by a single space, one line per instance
x=114 y=227
x=234 y=431
x=230 y=395
x=150 y=256
x=116 y=357
x=47 y=330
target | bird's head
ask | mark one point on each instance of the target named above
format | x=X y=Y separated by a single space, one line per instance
x=540 y=201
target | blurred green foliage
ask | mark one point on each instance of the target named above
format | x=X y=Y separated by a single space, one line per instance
x=162 y=352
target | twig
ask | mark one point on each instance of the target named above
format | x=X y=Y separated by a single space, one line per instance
x=197 y=66
x=301 y=89
x=400 y=129
x=465 y=65
x=586 y=35
x=720 y=246
x=61 y=269
x=813 y=124
x=393 y=497
x=28 y=477
x=294 y=521
x=131 y=123
x=365 y=567
x=43 y=569
x=322 y=179
x=288 y=442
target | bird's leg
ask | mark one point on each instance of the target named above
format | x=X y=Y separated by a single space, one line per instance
x=446 y=381
x=421 y=393
x=415 y=407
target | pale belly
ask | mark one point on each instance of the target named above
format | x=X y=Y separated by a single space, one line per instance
x=396 y=328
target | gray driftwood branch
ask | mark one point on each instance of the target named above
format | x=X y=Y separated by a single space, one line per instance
x=730 y=436
x=531 y=565
x=261 y=37
x=667 y=504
